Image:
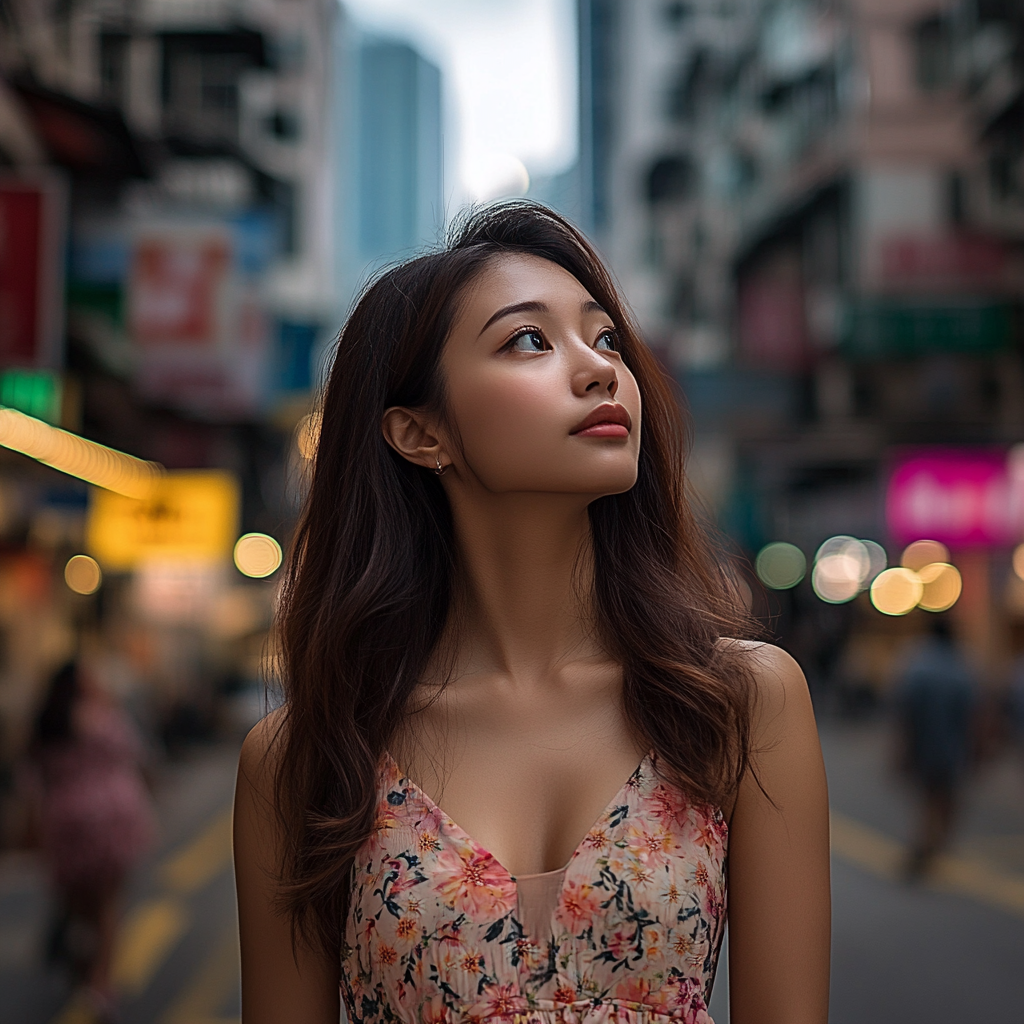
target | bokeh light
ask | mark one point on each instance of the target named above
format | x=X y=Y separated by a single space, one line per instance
x=844 y=566
x=877 y=559
x=780 y=566
x=942 y=585
x=82 y=574
x=835 y=579
x=923 y=552
x=307 y=435
x=1018 y=560
x=257 y=555
x=896 y=591
x=76 y=456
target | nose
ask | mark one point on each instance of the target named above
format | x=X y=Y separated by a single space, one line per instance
x=594 y=374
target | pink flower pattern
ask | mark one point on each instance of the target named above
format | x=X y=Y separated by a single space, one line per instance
x=433 y=933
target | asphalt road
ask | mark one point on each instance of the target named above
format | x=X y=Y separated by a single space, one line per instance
x=948 y=950
x=177 y=961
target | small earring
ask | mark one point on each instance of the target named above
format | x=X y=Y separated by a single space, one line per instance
x=440 y=469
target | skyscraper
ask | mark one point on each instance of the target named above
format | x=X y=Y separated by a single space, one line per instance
x=399 y=192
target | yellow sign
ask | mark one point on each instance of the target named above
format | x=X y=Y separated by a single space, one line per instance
x=190 y=516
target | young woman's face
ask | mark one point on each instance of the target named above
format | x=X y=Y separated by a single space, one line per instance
x=536 y=387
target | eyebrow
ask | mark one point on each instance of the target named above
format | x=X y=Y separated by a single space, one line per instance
x=534 y=306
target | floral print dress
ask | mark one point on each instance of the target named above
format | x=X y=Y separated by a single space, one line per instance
x=629 y=931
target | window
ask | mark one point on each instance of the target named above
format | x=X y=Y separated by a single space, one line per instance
x=113 y=67
x=934 y=55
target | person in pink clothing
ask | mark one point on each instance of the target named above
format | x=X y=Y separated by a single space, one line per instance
x=95 y=816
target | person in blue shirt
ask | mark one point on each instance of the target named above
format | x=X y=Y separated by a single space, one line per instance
x=935 y=703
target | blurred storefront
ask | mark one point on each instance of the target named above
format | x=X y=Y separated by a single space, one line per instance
x=816 y=210
x=168 y=274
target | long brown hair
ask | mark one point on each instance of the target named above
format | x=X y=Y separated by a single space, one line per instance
x=369 y=584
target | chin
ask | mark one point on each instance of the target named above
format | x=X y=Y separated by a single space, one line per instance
x=602 y=484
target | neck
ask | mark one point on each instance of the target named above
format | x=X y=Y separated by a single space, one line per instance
x=525 y=575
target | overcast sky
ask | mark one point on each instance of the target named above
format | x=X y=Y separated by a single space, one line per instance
x=509 y=68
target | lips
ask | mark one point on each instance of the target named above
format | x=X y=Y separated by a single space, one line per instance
x=608 y=420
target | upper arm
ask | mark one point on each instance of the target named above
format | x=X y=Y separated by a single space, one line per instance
x=779 y=892
x=281 y=984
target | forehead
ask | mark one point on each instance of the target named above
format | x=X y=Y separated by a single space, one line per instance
x=520 y=278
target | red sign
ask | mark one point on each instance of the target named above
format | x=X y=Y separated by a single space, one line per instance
x=951 y=261
x=773 y=323
x=31 y=271
x=176 y=287
x=961 y=497
x=200 y=328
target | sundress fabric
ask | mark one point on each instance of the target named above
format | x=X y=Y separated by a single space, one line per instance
x=435 y=928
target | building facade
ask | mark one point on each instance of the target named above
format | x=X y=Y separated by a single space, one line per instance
x=816 y=211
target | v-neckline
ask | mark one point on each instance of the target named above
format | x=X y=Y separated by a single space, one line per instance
x=615 y=801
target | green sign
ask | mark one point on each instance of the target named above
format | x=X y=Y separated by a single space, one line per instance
x=891 y=329
x=34 y=392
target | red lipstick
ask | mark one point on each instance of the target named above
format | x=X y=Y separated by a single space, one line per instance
x=608 y=420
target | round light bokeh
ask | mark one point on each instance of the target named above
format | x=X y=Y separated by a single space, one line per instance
x=923 y=552
x=941 y=586
x=494 y=175
x=307 y=435
x=257 y=555
x=83 y=574
x=844 y=566
x=836 y=578
x=877 y=558
x=896 y=591
x=780 y=566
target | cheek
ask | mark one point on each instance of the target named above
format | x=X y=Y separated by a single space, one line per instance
x=497 y=413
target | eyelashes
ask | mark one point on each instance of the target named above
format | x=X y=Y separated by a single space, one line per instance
x=609 y=333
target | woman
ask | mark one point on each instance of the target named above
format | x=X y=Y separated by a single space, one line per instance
x=499 y=604
x=96 y=819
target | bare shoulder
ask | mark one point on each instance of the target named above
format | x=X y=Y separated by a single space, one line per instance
x=781 y=689
x=261 y=749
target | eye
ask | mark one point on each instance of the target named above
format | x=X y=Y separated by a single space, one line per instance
x=528 y=341
x=607 y=341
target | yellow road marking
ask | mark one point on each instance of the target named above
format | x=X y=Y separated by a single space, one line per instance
x=198 y=863
x=152 y=928
x=979 y=879
x=147 y=936
x=75 y=1012
x=213 y=986
x=867 y=848
x=877 y=853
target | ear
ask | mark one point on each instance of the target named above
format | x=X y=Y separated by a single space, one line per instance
x=412 y=435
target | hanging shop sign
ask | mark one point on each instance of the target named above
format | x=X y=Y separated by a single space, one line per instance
x=196 y=321
x=896 y=329
x=32 y=231
x=958 y=262
x=772 y=325
x=959 y=496
x=190 y=517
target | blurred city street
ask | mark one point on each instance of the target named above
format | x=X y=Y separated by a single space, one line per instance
x=943 y=949
x=178 y=957
x=815 y=210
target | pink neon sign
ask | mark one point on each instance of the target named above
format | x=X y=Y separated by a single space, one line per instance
x=959 y=496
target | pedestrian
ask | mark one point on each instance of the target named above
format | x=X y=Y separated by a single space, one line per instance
x=936 y=702
x=95 y=821
x=499 y=601
x=1015 y=704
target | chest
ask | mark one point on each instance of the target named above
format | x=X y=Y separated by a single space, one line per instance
x=526 y=778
